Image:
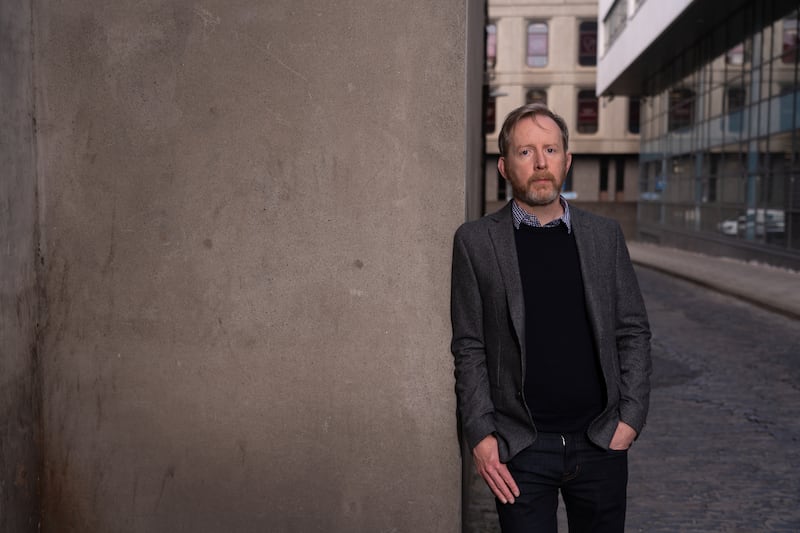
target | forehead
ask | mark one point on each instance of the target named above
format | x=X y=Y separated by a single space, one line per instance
x=536 y=128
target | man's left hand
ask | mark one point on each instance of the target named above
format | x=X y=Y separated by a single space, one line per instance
x=623 y=437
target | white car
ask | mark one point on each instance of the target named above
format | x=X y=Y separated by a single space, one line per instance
x=765 y=220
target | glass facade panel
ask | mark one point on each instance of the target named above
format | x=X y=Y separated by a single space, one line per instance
x=720 y=147
x=789 y=45
x=681 y=109
x=736 y=55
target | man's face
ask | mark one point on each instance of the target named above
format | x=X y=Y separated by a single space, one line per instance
x=536 y=163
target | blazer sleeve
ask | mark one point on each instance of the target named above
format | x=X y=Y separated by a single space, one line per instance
x=473 y=395
x=633 y=341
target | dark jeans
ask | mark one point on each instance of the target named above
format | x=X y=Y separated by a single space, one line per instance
x=593 y=484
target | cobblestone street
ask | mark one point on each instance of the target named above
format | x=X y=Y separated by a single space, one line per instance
x=721 y=451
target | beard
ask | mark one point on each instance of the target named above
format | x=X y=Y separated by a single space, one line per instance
x=541 y=189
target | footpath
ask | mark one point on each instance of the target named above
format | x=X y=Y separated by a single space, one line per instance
x=773 y=288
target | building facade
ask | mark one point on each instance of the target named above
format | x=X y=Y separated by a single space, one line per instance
x=546 y=51
x=720 y=116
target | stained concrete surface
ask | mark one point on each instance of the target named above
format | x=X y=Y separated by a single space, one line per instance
x=19 y=291
x=245 y=212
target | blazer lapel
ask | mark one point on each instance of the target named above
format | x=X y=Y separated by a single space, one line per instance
x=588 y=257
x=505 y=249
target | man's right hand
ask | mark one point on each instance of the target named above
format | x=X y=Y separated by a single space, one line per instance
x=495 y=473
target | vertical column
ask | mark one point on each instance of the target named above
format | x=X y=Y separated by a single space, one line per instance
x=248 y=222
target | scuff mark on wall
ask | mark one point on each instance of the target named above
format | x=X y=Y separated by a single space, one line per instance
x=210 y=21
x=168 y=474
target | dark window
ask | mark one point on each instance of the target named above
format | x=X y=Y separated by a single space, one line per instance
x=619 y=184
x=634 y=103
x=735 y=101
x=736 y=97
x=587 y=112
x=711 y=192
x=788 y=95
x=537 y=44
x=587 y=44
x=603 y=174
x=568 y=180
x=681 y=109
x=536 y=96
x=789 y=39
x=491 y=112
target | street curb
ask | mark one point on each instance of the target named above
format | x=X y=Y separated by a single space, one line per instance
x=664 y=259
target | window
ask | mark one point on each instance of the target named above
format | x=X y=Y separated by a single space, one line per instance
x=537 y=44
x=587 y=112
x=735 y=55
x=490 y=116
x=536 y=96
x=491 y=45
x=615 y=21
x=568 y=180
x=711 y=190
x=619 y=182
x=681 y=109
x=634 y=104
x=789 y=39
x=788 y=95
x=587 y=44
x=735 y=100
x=603 y=173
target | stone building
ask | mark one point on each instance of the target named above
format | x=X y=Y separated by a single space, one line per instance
x=547 y=52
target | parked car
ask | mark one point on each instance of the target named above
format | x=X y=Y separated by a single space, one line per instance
x=766 y=221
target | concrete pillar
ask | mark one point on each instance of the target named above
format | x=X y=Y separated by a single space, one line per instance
x=248 y=212
x=19 y=293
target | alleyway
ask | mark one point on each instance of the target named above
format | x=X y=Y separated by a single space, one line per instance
x=721 y=450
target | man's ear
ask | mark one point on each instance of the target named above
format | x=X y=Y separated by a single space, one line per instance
x=569 y=162
x=501 y=166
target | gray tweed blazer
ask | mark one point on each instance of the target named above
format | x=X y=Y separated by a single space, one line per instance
x=488 y=318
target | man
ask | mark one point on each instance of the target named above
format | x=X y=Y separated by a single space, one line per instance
x=551 y=343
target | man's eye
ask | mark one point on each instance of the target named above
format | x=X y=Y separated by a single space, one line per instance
x=524 y=152
x=551 y=150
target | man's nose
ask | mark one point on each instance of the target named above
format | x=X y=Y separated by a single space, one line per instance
x=539 y=160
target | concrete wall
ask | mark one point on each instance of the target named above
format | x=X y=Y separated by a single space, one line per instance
x=19 y=294
x=248 y=212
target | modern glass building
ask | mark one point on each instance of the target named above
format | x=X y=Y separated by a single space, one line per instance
x=717 y=82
